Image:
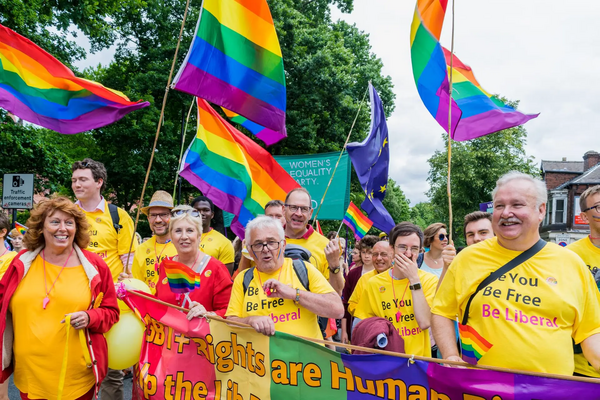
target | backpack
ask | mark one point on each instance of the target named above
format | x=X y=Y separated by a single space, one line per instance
x=420 y=259
x=299 y=269
x=114 y=215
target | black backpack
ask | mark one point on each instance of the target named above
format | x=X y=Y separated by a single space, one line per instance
x=114 y=215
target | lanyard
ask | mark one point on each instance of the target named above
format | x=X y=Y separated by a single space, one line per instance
x=399 y=313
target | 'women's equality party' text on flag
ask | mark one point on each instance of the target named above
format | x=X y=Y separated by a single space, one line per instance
x=371 y=160
x=235 y=61
x=357 y=222
x=234 y=172
x=37 y=88
x=475 y=112
x=265 y=134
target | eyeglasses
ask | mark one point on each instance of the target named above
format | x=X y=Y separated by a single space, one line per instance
x=193 y=213
x=596 y=207
x=271 y=245
x=302 y=209
x=402 y=248
x=382 y=254
x=443 y=236
x=162 y=216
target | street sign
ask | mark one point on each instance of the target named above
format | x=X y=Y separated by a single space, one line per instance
x=17 y=191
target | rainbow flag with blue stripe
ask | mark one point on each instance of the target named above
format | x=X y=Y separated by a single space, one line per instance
x=182 y=279
x=265 y=134
x=235 y=61
x=474 y=346
x=37 y=88
x=357 y=221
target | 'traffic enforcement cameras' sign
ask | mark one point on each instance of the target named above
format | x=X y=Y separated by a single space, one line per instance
x=17 y=191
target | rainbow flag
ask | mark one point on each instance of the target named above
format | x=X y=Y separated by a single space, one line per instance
x=357 y=221
x=266 y=135
x=474 y=111
x=235 y=61
x=20 y=228
x=37 y=88
x=482 y=113
x=238 y=175
x=182 y=279
x=473 y=345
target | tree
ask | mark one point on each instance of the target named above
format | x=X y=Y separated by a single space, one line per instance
x=423 y=214
x=476 y=165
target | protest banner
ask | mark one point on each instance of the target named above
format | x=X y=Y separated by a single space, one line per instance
x=198 y=359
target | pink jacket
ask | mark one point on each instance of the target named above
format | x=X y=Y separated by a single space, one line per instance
x=102 y=318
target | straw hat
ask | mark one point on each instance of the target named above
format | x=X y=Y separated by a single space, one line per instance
x=160 y=198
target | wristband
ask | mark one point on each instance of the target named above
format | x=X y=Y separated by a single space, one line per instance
x=297 y=300
x=416 y=286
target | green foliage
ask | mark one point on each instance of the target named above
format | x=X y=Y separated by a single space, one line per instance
x=476 y=165
x=423 y=214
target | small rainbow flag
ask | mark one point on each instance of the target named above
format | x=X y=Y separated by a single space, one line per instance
x=181 y=278
x=266 y=135
x=235 y=61
x=357 y=221
x=20 y=228
x=473 y=345
x=37 y=88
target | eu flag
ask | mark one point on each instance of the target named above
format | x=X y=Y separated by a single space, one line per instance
x=371 y=160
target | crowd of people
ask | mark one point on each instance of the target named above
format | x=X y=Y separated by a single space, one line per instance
x=508 y=299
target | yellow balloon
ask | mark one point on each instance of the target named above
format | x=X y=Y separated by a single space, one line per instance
x=124 y=341
x=136 y=284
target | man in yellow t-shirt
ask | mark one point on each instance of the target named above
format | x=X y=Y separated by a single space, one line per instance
x=325 y=254
x=589 y=250
x=404 y=293
x=109 y=240
x=527 y=318
x=213 y=242
x=382 y=261
x=150 y=253
x=275 y=297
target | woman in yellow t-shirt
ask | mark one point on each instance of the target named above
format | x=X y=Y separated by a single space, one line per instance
x=53 y=283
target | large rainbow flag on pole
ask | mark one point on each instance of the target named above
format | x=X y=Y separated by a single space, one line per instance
x=39 y=89
x=235 y=61
x=237 y=174
x=265 y=134
x=357 y=221
x=474 y=112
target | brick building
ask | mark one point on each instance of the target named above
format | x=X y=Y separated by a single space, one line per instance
x=566 y=180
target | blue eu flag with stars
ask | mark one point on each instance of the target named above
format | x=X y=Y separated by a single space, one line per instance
x=371 y=159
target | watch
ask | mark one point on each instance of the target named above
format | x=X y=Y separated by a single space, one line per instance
x=416 y=286
x=335 y=270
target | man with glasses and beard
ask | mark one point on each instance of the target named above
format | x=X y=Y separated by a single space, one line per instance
x=278 y=294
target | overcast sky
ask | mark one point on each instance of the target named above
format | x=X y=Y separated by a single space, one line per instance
x=543 y=53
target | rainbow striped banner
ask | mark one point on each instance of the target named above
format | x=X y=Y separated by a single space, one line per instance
x=474 y=346
x=233 y=171
x=182 y=279
x=474 y=111
x=37 y=88
x=266 y=135
x=235 y=61
x=357 y=221
x=20 y=228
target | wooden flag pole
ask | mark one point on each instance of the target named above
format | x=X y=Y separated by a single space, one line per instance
x=448 y=183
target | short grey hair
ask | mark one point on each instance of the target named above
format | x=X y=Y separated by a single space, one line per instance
x=541 y=192
x=186 y=216
x=262 y=222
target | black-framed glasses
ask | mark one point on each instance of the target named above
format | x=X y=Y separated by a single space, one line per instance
x=597 y=207
x=270 y=245
x=443 y=236
x=294 y=208
x=193 y=213
x=162 y=216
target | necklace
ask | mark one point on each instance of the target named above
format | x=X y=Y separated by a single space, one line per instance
x=194 y=264
x=399 y=313
x=4 y=252
x=47 y=299
x=163 y=249
x=268 y=291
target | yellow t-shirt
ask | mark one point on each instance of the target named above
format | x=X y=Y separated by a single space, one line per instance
x=358 y=291
x=147 y=256
x=315 y=243
x=5 y=261
x=105 y=241
x=288 y=316
x=215 y=244
x=378 y=300
x=549 y=299
x=40 y=338
x=590 y=255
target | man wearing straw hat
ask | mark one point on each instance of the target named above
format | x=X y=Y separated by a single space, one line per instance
x=150 y=253
x=521 y=302
x=111 y=234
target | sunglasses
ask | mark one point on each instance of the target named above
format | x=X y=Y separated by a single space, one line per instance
x=443 y=236
x=193 y=213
